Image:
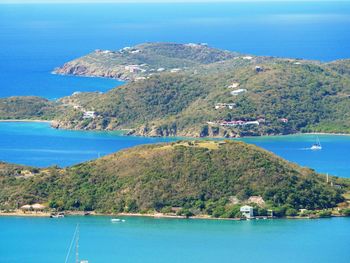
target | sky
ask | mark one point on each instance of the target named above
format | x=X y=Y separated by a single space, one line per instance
x=142 y=1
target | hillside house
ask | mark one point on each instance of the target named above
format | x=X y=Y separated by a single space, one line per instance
x=284 y=120
x=219 y=106
x=234 y=85
x=238 y=91
x=89 y=115
x=133 y=68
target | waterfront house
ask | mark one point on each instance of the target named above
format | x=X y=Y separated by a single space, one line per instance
x=247 y=211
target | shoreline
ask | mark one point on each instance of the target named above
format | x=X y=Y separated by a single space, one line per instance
x=26 y=120
x=20 y=213
x=181 y=136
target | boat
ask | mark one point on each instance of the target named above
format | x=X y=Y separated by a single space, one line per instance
x=75 y=240
x=59 y=215
x=117 y=220
x=316 y=146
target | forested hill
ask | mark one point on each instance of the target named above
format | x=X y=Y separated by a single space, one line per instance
x=198 y=91
x=198 y=177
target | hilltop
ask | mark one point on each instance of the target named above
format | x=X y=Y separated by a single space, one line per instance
x=197 y=91
x=144 y=59
x=198 y=177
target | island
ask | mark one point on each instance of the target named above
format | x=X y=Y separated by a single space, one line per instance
x=194 y=90
x=203 y=179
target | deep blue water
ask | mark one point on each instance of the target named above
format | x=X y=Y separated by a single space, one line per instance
x=39 y=145
x=146 y=240
x=34 y=39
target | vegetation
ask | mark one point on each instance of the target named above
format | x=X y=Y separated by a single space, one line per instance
x=28 y=108
x=285 y=95
x=183 y=178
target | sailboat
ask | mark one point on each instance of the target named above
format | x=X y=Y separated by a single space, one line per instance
x=316 y=146
x=75 y=240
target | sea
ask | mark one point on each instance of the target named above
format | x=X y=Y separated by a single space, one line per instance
x=36 y=38
x=140 y=240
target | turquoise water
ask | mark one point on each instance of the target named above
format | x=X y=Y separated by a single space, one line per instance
x=34 y=39
x=146 y=240
x=39 y=145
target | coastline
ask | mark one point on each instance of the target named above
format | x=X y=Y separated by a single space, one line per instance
x=20 y=213
x=26 y=120
x=125 y=131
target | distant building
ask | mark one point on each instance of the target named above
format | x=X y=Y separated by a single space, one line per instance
x=247 y=211
x=89 y=115
x=284 y=120
x=224 y=105
x=234 y=85
x=174 y=70
x=135 y=51
x=133 y=68
x=238 y=91
x=259 y=69
x=161 y=69
x=248 y=57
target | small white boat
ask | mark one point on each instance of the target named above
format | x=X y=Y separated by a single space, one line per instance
x=117 y=220
x=59 y=215
x=316 y=146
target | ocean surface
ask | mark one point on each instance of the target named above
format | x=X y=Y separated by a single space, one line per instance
x=147 y=240
x=34 y=39
x=39 y=145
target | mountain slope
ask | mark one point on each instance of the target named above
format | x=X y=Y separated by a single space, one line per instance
x=197 y=91
x=201 y=176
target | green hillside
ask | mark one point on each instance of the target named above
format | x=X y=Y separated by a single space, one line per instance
x=197 y=91
x=200 y=177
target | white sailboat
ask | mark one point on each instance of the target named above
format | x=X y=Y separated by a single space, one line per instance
x=75 y=240
x=316 y=146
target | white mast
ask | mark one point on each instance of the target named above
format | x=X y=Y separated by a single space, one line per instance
x=77 y=246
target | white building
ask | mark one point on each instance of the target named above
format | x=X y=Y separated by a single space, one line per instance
x=234 y=85
x=133 y=68
x=238 y=91
x=89 y=115
x=247 y=211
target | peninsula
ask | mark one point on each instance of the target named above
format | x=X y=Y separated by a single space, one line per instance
x=194 y=90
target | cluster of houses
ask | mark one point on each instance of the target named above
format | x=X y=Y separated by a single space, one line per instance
x=239 y=123
x=129 y=50
x=196 y=45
